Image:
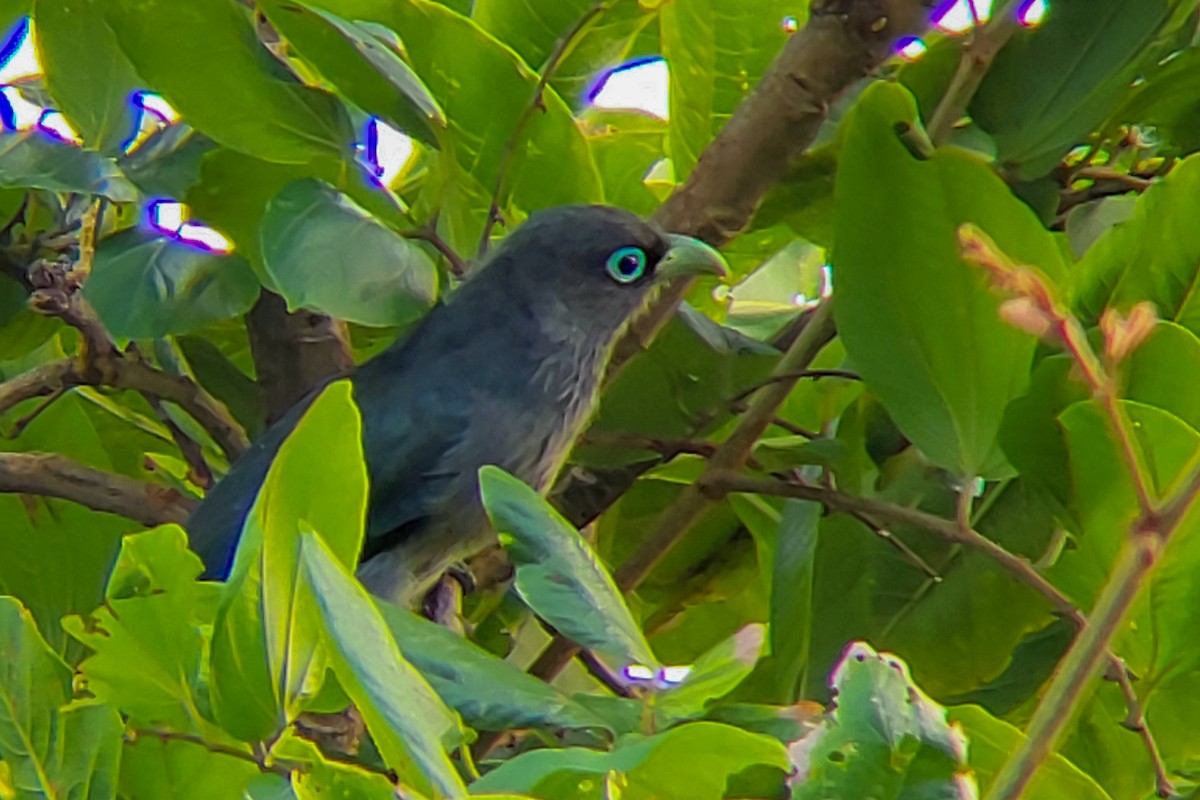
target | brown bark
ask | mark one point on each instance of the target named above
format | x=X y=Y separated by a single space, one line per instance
x=294 y=352
x=52 y=475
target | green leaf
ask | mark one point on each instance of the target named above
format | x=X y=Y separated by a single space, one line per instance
x=1154 y=256
x=490 y=693
x=91 y=85
x=384 y=279
x=145 y=640
x=223 y=82
x=715 y=674
x=552 y=164
x=144 y=285
x=403 y=714
x=1050 y=86
x=266 y=653
x=790 y=628
x=716 y=53
x=33 y=160
x=47 y=562
x=885 y=738
x=559 y=575
x=649 y=765
x=167 y=164
x=533 y=29
x=994 y=740
x=1156 y=641
x=1163 y=100
x=363 y=64
x=175 y=770
x=34 y=682
x=922 y=327
x=51 y=752
x=629 y=146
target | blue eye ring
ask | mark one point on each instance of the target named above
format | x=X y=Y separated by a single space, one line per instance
x=627 y=264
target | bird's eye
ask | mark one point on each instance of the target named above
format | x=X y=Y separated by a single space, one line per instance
x=627 y=264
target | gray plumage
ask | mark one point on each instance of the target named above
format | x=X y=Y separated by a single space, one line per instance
x=506 y=372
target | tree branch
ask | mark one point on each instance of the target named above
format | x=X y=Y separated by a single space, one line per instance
x=294 y=352
x=977 y=57
x=52 y=475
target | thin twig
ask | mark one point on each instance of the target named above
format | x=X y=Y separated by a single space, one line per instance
x=977 y=57
x=536 y=103
x=277 y=766
x=429 y=235
x=1134 y=182
x=21 y=424
x=1135 y=720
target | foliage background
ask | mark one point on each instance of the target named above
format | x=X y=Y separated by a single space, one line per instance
x=784 y=470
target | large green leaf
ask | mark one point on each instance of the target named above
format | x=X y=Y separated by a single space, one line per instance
x=362 y=65
x=716 y=52
x=403 y=714
x=381 y=279
x=648 y=767
x=154 y=769
x=266 y=653
x=921 y=327
x=57 y=554
x=146 y=639
x=33 y=160
x=992 y=740
x=490 y=693
x=91 y=85
x=1052 y=85
x=552 y=163
x=1165 y=99
x=559 y=575
x=51 y=752
x=1154 y=256
x=223 y=82
x=715 y=674
x=145 y=285
x=534 y=29
x=885 y=738
x=1157 y=641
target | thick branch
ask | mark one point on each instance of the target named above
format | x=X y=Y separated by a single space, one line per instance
x=294 y=352
x=843 y=41
x=52 y=475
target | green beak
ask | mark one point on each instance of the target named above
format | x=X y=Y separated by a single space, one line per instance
x=688 y=256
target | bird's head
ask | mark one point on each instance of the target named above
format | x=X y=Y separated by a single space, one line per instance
x=597 y=264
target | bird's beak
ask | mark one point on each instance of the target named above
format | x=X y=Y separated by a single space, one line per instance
x=688 y=256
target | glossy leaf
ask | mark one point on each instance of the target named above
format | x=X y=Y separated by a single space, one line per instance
x=1154 y=256
x=1051 y=85
x=91 y=85
x=223 y=82
x=920 y=325
x=50 y=751
x=267 y=656
x=384 y=279
x=559 y=575
x=34 y=160
x=406 y=719
x=715 y=674
x=993 y=740
x=147 y=285
x=552 y=164
x=146 y=642
x=363 y=64
x=489 y=693
x=716 y=53
x=648 y=765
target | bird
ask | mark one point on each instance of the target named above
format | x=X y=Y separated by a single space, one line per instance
x=506 y=371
